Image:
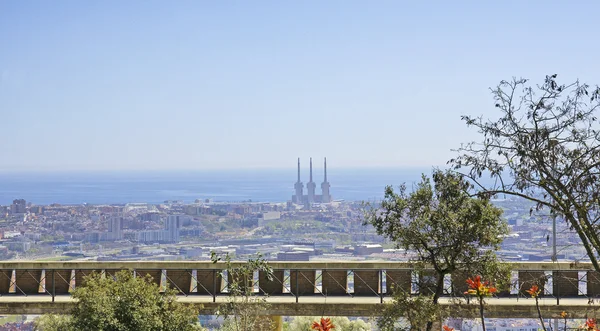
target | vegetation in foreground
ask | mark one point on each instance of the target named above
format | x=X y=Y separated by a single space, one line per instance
x=544 y=147
x=244 y=310
x=122 y=303
x=450 y=232
x=303 y=323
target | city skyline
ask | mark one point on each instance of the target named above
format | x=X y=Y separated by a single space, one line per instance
x=191 y=85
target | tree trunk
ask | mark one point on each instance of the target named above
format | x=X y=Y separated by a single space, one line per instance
x=439 y=290
x=537 y=306
x=586 y=241
x=481 y=308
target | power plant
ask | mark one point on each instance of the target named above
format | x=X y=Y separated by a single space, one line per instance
x=301 y=199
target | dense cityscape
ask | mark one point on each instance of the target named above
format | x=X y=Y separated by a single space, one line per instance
x=307 y=227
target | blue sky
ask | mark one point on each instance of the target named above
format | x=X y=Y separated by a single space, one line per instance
x=128 y=85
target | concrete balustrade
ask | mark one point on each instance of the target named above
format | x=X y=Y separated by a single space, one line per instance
x=179 y=280
x=335 y=282
x=593 y=283
x=204 y=278
x=367 y=282
x=206 y=281
x=5 y=277
x=398 y=280
x=303 y=282
x=275 y=286
x=299 y=288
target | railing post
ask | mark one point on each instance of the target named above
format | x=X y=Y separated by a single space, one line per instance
x=380 y=286
x=53 y=286
x=214 y=285
x=296 y=293
x=557 y=286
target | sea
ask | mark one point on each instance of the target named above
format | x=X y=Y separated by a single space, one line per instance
x=257 y=185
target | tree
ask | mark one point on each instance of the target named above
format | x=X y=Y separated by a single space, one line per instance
x=448 y=230
x=416 y=312
x=244 y=311
x=124 y=303
x=52 y=322
x=544 y=147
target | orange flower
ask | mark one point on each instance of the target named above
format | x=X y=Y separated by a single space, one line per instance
x=534 y=291
x=447 y=328
x=479 y=288
x=324 y=325
x=590 y=324
x=563 y=314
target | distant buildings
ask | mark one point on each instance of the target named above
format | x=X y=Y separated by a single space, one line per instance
x=293 y=256
x=298 y=187
x=13 y=241
x=150 y=217
x=268 y=216
x=367 y=249
x=170 y=234
x=18 y=246
x=172 y=226
x=301 y=199
x=115 y=228
x=37 y=210
x=19 y=206
x=325 y=197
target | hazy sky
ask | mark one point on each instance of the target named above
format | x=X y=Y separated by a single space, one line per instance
x=243 y=84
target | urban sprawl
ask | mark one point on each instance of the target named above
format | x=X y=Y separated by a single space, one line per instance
x=308 y=227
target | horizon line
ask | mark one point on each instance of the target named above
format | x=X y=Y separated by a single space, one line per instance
x=158 y=170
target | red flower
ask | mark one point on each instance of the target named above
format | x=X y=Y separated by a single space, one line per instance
x=324 y=325
x=479 y=288
x=447 y=328
x=590 y=324
x=534 y=291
